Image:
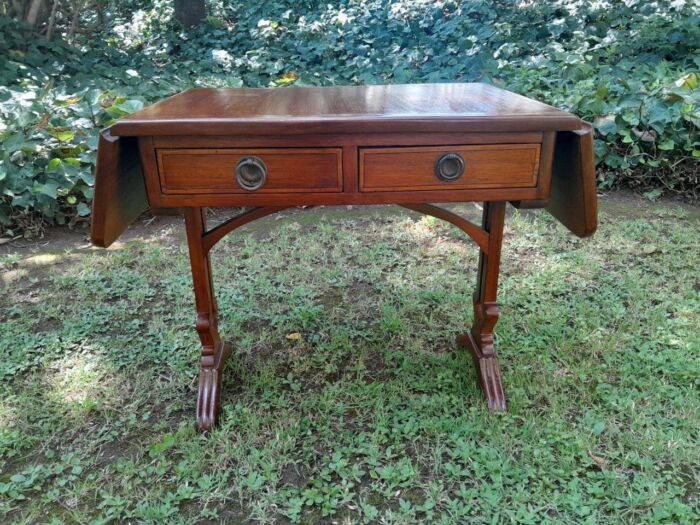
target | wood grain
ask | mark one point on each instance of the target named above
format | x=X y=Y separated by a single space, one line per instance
x=214 y=350
x=407 y=168
x=480 y=339
x=433 y=108
x=291 y=170
x=120 y=193
x=573 y=200
x=318 y=140
x=345 y=145
x=409 y=195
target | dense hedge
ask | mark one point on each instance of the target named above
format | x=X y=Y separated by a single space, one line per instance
x=630 y=67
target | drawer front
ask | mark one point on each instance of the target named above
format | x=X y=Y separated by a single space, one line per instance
x=286 y=170
x=442 y=167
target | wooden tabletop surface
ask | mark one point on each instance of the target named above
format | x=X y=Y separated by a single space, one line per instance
x=346 y=109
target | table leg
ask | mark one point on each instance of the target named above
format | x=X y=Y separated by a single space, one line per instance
x=479 y=341
x=214 y=351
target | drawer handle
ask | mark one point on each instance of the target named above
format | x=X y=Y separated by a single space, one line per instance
x=251 y=173
x=449 y=167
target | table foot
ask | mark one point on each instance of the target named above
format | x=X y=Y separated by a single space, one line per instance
x=488 y=371
x=209 y=397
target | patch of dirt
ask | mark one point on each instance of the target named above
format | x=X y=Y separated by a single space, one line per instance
x=111 y=451
x=170 y=228
x=362 y=288
x=229 y=513
x=627 y=204
x=290 y=475
x=50 y=324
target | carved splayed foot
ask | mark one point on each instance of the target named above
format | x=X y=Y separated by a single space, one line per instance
x=209 y=397
x=488 y=371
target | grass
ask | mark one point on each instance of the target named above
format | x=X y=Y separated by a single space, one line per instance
x=371 y=415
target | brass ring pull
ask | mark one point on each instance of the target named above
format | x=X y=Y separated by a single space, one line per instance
x=449 y=167
x=251 y=173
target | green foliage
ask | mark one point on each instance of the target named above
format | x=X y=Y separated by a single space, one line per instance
x=630 y=67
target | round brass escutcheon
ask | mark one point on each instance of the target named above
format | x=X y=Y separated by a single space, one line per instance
x=449 y=167
x=251 y=173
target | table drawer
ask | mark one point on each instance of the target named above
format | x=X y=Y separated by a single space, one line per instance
x=248 y=170
x=441 y=167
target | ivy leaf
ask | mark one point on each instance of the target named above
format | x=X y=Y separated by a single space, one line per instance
x=49 y=189
x=16 y=142
x=93 y=142
x=689 y=81
x=667 y=144
x=83 y=209
x=54 y=166
x=606 y=125
x=63 y=135
x=130 y=106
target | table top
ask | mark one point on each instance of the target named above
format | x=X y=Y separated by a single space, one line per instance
x=346 y=109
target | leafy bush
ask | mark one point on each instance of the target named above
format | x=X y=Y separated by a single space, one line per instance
x=632 y=68
x=53 y=102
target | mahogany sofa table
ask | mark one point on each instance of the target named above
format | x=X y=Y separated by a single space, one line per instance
x=411 y=145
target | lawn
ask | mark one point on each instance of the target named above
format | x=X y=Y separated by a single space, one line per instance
x=345 y=400
x=631 y=68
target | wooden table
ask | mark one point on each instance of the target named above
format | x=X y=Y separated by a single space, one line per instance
x=411 y=145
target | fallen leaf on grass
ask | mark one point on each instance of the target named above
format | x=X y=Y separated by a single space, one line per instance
x=602 y=464
x=294 y=336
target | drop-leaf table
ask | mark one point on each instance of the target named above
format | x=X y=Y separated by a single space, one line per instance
x=410 y=145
